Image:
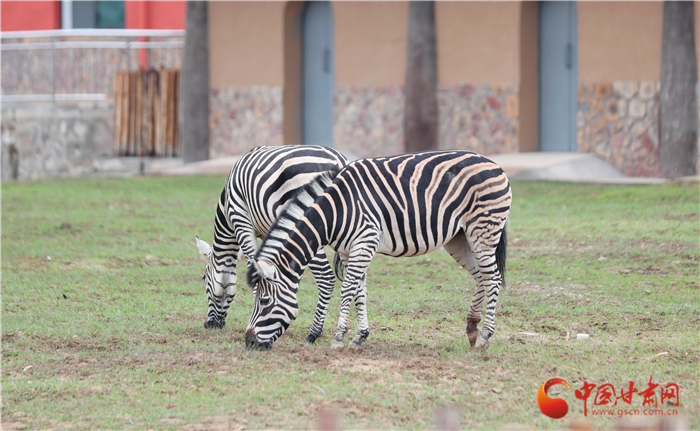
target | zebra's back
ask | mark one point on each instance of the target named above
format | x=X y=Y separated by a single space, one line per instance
x=266 y=178
x=421 y=200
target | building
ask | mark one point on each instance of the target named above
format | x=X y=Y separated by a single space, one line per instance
x=512 y=76
x=68 y=14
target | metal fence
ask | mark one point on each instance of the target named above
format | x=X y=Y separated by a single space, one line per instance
x=80 y=64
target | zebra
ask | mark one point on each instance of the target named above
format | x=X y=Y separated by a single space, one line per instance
x=404 y=205
x=258 y=187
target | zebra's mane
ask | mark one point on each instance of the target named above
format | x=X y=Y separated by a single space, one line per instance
x=290 y=214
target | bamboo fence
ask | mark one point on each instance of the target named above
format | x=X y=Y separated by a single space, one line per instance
x=146 y=113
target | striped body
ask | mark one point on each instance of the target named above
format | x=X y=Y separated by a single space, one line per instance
x=259 y=185
x=403 y=205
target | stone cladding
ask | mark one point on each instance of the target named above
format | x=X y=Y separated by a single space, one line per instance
x=476 y=117
x=619 y=122
x=368 y=120
x=56 y=140
x=483 y=118
x=244 y=118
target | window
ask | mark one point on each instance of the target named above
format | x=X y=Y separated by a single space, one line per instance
x=110 y=14
x=98 y=14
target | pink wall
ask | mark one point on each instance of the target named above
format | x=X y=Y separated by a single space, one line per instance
x=30 y=15
x=46 y=15
x=167 y=15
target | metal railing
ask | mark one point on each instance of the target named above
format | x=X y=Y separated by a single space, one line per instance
x=80 y=64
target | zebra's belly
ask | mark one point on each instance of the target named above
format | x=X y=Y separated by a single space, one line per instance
x=407 y=248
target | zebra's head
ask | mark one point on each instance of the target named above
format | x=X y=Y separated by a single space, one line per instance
x=220 y=285
x=274 y=306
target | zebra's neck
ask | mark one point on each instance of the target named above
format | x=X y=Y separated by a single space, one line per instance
x=224 y=249
x=299 y=232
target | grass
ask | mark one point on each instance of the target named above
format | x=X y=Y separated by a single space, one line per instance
x=102 y=312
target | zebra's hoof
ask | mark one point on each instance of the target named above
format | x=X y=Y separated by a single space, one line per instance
x=310 y=339
x=355 y=345
x=336 y=344
x=214 y=324
x=472 y=337
x=481 y=343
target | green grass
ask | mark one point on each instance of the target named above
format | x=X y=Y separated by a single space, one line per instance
x=108 y=333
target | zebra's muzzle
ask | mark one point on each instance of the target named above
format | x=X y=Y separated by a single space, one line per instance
x=252 y=343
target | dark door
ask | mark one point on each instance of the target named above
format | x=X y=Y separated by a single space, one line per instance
x=318 y=73
x=558 y=75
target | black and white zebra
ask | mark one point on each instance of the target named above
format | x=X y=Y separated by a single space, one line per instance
x=403 y=205
x=258 y=187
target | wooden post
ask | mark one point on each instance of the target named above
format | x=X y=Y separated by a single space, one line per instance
x=139 y=112
x=124 y=129
x=132 y=111
x=151 y=88
x=176 y=111
x=117 y=95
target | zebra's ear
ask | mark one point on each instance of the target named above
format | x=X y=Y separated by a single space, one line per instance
x=204 y=248
x=265 y=269
x=257 y=270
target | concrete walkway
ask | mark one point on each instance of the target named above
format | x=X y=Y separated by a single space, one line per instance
x=570 y=167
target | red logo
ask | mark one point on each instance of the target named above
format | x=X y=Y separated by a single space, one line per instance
x=606 y=398
x=553 y=407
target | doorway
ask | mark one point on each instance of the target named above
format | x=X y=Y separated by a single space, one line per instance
x=318 y=73
x=558 y=77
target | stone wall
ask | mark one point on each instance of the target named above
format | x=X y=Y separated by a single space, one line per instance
x=483 y=118
x=476 y=117
x=54 y=140
x=243 y=118
x=75 y=70
x=619 y=122
x=368 y=120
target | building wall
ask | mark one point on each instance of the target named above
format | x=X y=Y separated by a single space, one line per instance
x=620 y=41
x=479 y=75
x=246 y=61
x=487 y=77
x=56 y=140
x=167 y=15
x=370 y=63
x=528 y=138
x=46 y=15
x=30 y=15
x=618 y=94
x=256 y=73
x=478 y=42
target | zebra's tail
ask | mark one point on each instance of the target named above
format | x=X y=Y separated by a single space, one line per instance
x=501 y=252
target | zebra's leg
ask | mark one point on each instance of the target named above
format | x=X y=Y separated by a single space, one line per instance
x=362 y=321
x=220 y=280
x=483 y=241
x=351 y=288
x=359 y=260
x=325 y=281
x=459 y=249
x=347 y=292
x=360 y=255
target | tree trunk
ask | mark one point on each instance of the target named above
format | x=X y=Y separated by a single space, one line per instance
x=195 y=84
x=678 y=122
x=421 y=112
